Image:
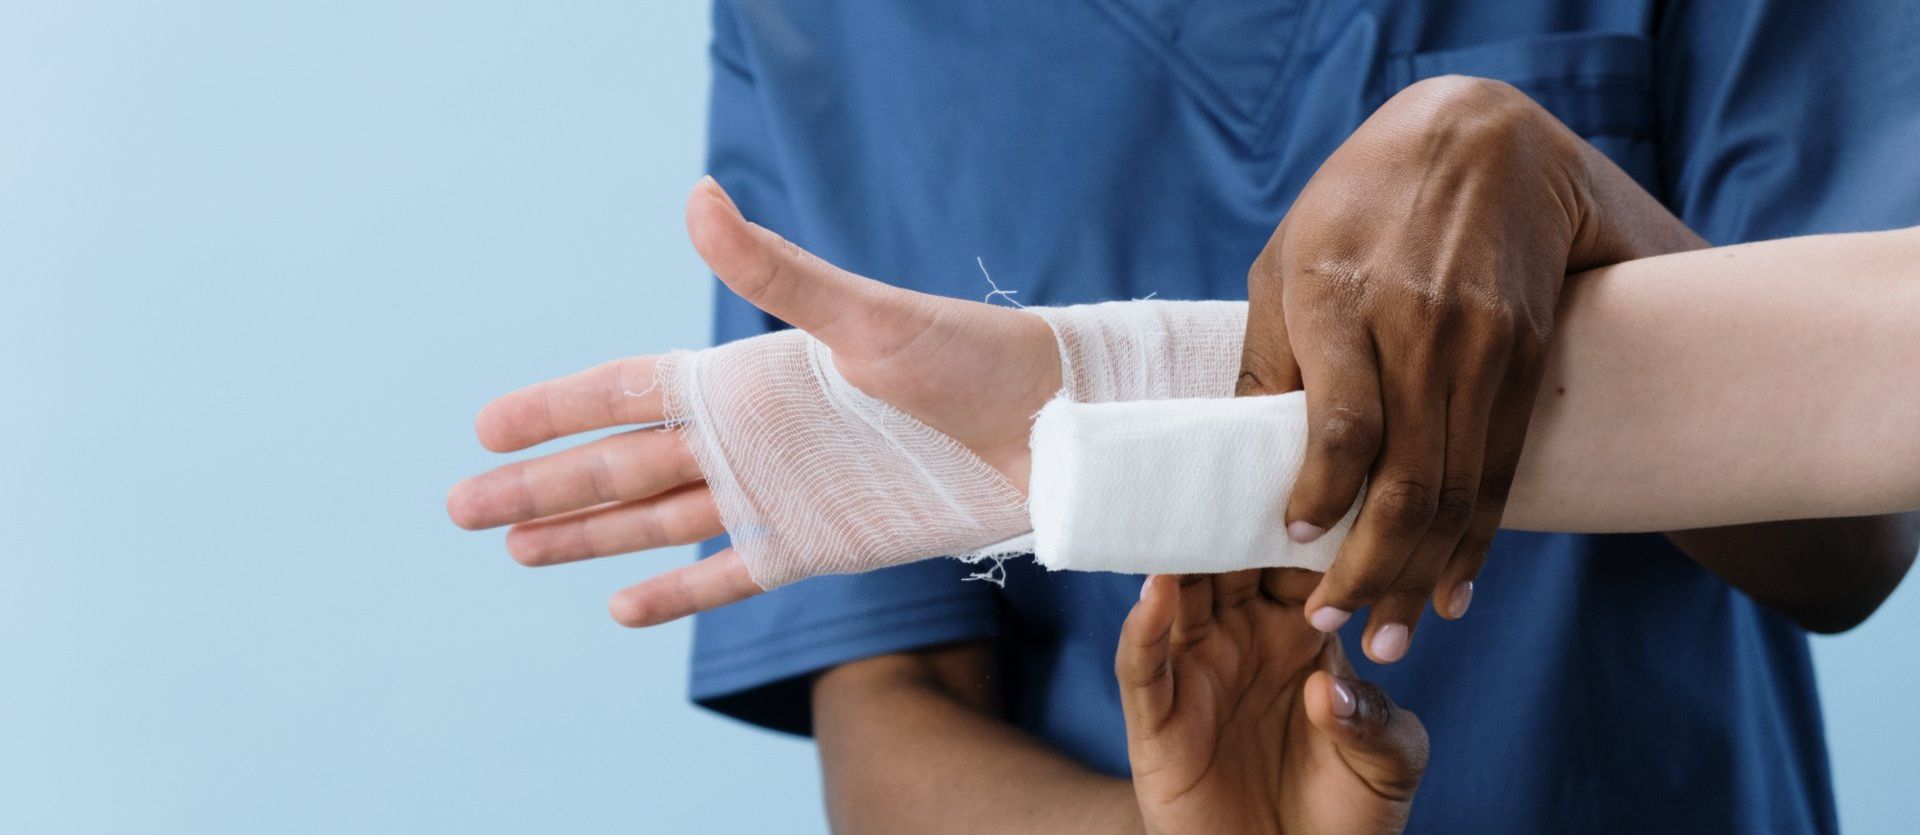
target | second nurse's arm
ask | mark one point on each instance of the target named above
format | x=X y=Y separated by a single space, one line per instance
x=918 y=742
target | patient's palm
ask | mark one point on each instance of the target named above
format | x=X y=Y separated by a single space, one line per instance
x=974 y=371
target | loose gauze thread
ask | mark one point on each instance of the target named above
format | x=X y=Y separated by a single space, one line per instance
x=996 y=573
x=997 y=292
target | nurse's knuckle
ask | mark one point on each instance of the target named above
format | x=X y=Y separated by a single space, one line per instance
x=1434 y=309
x=1531 y=344
x=1250 y=383
x=1261 y=371
x=1335 y=280
x=1496 y=322
x=1405 y=504
x=1365 y=586
x=1497 y=482
x=1349 y=436
x=1453 y=510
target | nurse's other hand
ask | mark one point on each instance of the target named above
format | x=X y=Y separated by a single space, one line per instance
x=641 y=489
x=1241 y=718
x=1411 y=291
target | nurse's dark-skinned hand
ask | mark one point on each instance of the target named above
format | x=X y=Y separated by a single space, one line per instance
x=1243 y=719
x=1411 y=291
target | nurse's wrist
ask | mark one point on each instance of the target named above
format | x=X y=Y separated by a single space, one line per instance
x=1465 y=123
x=1617 y=219
x=1609 y=216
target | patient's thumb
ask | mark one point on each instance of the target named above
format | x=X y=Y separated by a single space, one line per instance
x=773 y=274
x=1383 y=743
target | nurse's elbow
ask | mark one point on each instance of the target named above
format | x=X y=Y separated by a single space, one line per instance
x=1878 y=569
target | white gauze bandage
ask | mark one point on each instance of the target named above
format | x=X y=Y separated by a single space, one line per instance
x=812 y=476
x=1172 y=486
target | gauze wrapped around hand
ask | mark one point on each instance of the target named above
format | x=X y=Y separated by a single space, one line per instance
x=1147 y=350
x=813 y=476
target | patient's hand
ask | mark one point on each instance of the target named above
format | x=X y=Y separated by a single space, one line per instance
x=1242 y=718
x=973 y=371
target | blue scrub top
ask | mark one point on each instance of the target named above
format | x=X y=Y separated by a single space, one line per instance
x=1108 y=149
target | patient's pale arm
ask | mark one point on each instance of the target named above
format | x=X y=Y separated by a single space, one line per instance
x=1718 y=387
x=1776 y=380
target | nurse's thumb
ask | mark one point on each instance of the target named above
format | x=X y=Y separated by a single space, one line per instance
x=778 y=277
x=1382 y=743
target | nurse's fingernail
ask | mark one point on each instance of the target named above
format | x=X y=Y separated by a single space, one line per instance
x=1343 y=701
x=1328 y=619
x=1461 y=599
x=1389 y=643
x=1305 y=532
x=1144 y=585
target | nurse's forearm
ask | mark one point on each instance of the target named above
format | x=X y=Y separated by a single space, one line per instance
x=1778 y=380
x=914 y=742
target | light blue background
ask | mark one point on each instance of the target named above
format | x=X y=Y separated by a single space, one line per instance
x=261 y=264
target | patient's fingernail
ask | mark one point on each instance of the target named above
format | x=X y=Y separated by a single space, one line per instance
x=1328 y=619
x=1305 y=532
x=1389 y=643
x=1343 y=701
x=708 y=181
x=1144 y=585
x=1462 y=598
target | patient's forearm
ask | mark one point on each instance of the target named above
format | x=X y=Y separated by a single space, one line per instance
x=1778 y=380
x=1721 y=387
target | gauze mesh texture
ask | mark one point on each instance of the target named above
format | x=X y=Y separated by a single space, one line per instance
x=812 y=476
x=1148 y=350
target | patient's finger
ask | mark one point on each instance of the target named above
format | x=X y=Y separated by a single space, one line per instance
x=707 y=584
x=777 y=276
x=625 y=467
x=682 y=517
x=615 y=393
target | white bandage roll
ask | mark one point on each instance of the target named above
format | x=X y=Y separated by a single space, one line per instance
x=1190 y=486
